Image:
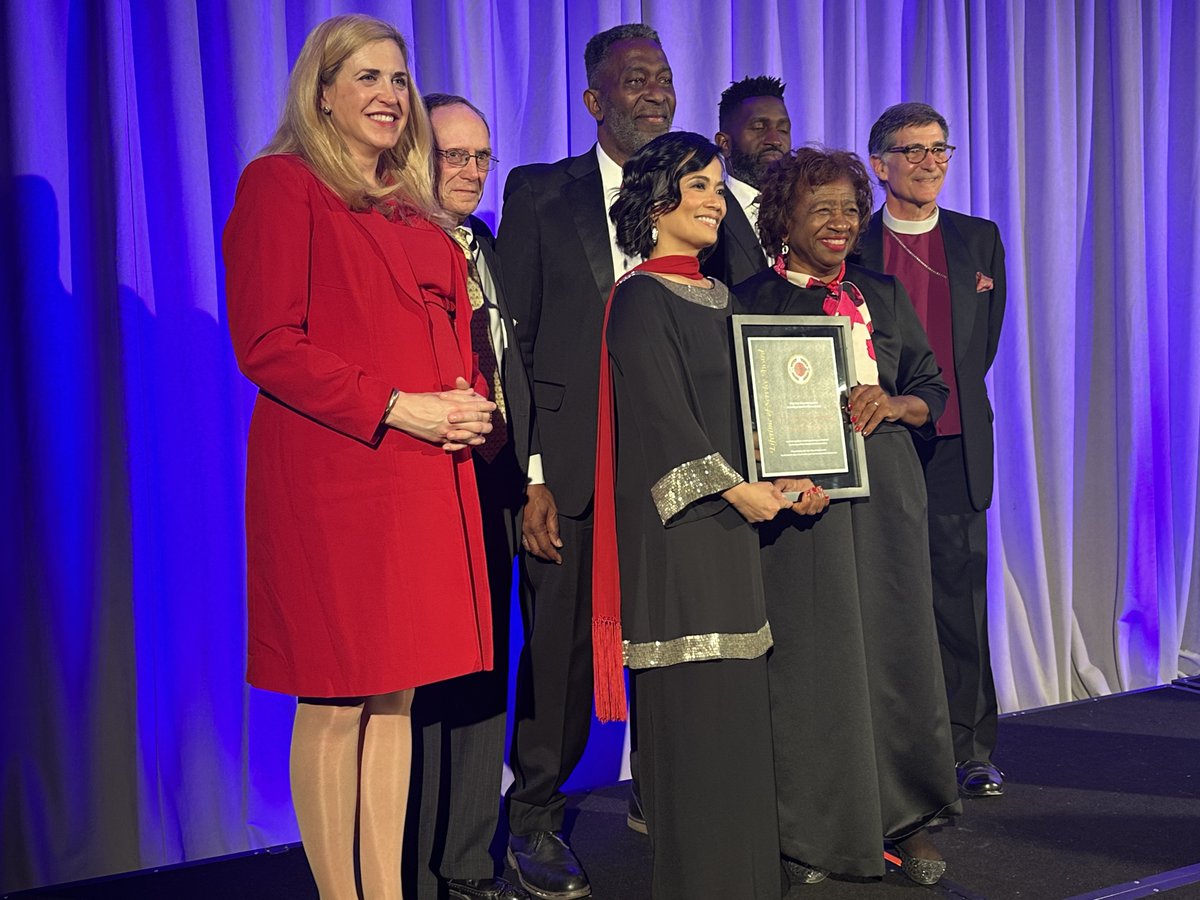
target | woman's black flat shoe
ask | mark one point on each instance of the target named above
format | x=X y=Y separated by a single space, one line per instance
x=922 y=871
x=802 y=873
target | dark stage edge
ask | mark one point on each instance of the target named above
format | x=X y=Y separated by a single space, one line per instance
x=1102 y=800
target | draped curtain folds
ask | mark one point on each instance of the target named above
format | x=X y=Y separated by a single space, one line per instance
x=130 y=739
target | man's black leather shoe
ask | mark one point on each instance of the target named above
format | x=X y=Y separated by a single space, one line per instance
x=484 y=889
x=546 y=866
x=979 y=778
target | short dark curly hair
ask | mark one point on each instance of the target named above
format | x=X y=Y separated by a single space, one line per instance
x=596 y=51
x=740 y=91
x=650 y=185
x=807 y=169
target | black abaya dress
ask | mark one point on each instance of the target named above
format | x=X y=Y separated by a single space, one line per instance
x=693 y=615
x=858 y=708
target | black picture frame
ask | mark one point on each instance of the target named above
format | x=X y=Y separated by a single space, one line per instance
x=795 y=373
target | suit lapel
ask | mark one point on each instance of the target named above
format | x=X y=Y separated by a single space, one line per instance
x=737 y=224
x=484 y=239
x=585 y=197
x=514 y=378
x=380 y=234
x=870 y=252
x=963 y=301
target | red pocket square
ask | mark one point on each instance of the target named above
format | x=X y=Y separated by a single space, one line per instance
x=983 y=283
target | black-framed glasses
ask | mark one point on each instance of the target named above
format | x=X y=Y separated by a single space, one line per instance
x=915 y=153
x=459 y=158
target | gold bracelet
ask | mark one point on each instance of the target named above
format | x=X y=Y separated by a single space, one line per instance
x=391 y=403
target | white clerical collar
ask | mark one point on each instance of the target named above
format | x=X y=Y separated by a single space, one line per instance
x=610 y=176
x=745 y=194
x=906 y=226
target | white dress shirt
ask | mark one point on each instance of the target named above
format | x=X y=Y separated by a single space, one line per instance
x=746 y=196
x=496 y=330
x=610 y=178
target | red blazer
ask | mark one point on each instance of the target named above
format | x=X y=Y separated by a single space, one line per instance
x=365 y=561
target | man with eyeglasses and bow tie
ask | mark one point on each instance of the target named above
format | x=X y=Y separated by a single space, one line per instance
x=460 y=724
x=952 y=266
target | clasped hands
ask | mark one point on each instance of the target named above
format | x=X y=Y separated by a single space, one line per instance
x=455 y=419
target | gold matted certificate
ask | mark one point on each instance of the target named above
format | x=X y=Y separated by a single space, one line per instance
x=794 y=378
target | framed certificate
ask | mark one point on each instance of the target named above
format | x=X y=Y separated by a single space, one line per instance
x=794 y=377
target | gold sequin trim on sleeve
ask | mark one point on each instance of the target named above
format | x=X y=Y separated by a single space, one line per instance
x=687 y=483
x=698 y=647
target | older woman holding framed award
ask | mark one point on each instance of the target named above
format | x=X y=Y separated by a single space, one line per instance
x=861 y=731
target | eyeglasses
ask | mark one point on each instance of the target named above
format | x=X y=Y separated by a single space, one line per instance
x=459 y=158
x=915 y=153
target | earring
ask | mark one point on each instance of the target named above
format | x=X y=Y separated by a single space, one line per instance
x=654 y=234
x=326 y=110
x=780 y=265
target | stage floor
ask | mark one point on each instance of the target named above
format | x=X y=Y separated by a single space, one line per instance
x=1101 y=800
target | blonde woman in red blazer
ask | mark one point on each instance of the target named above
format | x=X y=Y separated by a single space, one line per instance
x=366 y=572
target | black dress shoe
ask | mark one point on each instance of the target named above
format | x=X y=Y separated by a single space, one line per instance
x=979 y=778
x=484 y=889
x=546 y=866
x=635 y=818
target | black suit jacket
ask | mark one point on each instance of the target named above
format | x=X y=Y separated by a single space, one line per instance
x=738 y=253
x=513 y=377
x=557 y=261
x=973 y=246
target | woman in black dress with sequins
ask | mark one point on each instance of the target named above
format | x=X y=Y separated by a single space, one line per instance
x=692 y=615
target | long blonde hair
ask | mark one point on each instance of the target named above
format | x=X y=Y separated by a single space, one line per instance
x=405 y=171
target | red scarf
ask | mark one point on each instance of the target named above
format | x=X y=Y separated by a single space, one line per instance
x=608 y=658
x=840 y=300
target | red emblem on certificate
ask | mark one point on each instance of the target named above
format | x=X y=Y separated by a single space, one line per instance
x=800 y=369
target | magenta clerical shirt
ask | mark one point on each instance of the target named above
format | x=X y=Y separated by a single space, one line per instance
x=930 y=293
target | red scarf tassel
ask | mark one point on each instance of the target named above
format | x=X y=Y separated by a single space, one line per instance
x=608 y=654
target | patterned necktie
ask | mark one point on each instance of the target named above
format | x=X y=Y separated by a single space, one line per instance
x=481 y=343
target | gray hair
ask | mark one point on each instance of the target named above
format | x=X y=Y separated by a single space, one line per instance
x=596 y=52
x=902 y=115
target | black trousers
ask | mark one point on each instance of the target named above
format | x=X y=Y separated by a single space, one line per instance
x=459 y=725
x=958 y=559
x=553 y=707
x=708 y=780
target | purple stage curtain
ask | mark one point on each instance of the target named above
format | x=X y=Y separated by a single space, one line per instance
x=129 y=738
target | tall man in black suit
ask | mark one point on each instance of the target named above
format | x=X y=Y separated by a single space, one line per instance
x=560 y=260
x=459 y=724
x=756 y=130
x=953 y=268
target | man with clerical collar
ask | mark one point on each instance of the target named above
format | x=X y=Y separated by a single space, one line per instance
x=755 y=132
x=952 y=266
x=459 y=725
x=558 y=249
